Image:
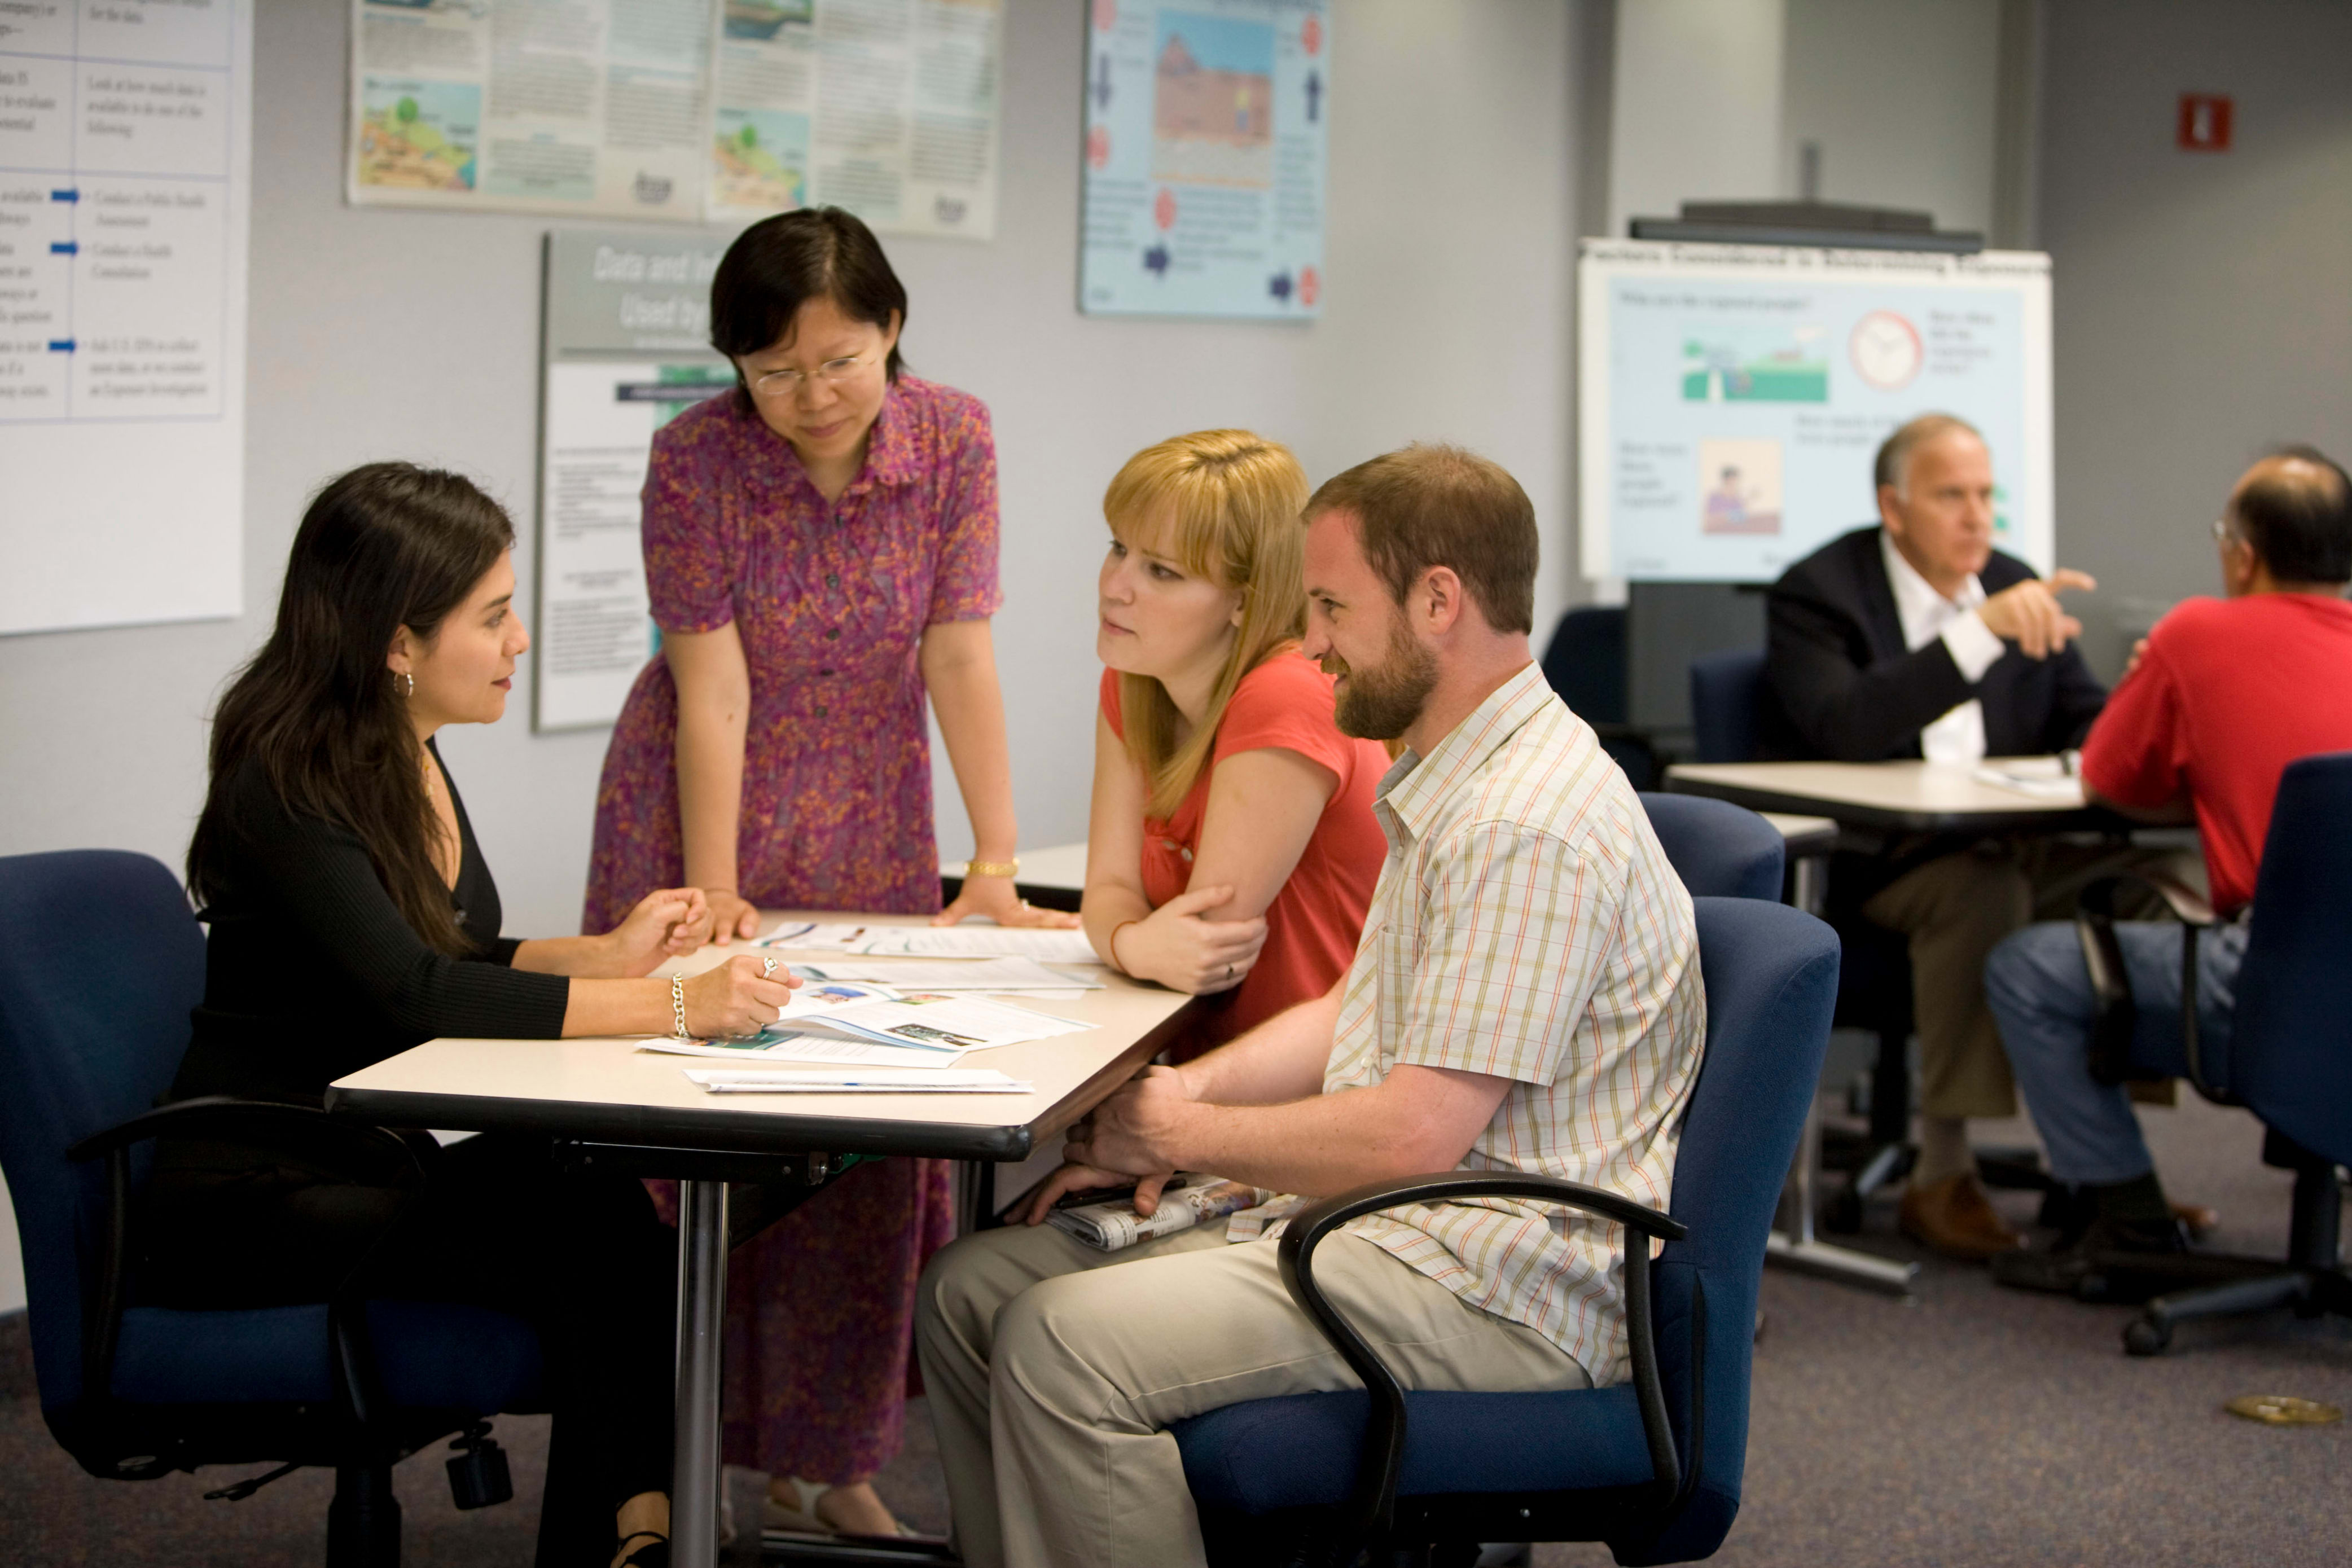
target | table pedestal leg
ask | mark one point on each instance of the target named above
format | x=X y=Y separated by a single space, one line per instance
x=701 y=1318
x=1800 y=1249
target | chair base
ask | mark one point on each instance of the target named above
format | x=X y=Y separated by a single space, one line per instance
x=2178 y=1289
x=363 y=1522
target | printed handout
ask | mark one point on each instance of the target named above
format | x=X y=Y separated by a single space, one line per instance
x=959 y=975
x=853 y=1080
x=934 y=942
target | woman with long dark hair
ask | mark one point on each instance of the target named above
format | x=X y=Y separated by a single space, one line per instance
x=352 y=917
x=821 y=554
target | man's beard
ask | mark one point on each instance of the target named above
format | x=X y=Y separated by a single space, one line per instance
x=1382 y=704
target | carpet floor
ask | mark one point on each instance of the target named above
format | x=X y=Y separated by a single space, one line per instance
x=1971 y=1426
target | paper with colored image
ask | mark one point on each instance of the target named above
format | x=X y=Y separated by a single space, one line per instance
x=956 y=975
x=948 y=1022
x=1045 y=946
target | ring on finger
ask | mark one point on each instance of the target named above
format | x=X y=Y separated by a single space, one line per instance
x=767 y=965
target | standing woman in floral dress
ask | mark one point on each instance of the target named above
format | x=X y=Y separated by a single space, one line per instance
x=821 y=553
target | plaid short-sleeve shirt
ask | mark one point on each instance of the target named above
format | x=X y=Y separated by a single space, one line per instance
x=1528 y=925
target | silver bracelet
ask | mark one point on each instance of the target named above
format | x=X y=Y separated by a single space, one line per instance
x=677 y=1004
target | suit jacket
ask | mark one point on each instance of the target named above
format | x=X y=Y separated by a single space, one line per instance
x=1841 y=686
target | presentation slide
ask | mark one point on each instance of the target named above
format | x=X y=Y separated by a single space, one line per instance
x=1732 y=397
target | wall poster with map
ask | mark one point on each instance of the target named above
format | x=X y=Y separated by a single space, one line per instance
x=1206 y=142
x=680 y=111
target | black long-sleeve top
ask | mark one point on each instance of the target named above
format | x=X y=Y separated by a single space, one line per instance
x=1842 y=687
x=313 y=973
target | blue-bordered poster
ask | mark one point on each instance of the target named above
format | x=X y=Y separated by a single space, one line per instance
x=1204 y=156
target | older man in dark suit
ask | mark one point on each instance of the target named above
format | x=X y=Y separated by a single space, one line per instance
x=1916 y=638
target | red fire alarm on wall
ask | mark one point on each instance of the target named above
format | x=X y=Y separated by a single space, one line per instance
x=2205 y=121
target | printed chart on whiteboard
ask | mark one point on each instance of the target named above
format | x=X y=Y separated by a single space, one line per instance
x=627 y=316
x=680 y=111
x=1732 y=397
x=124 y=149
x=1205 y=150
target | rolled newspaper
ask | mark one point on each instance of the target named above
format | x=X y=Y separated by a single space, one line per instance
x=1113 y=1224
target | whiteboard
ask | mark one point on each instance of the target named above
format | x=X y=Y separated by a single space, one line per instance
x=124 y=156
x=1731 y=397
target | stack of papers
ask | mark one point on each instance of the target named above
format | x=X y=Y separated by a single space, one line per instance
x=2042 y=777
x=960 y=975
x=839 y=1081
x=935 y=942
x=877 y=1025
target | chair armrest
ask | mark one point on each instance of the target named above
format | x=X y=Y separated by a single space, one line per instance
x=2103 y=957
x=337 y=1142
x=1381 y=1466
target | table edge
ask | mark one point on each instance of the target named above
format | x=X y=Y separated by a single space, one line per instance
x=729 y=1131
x=2060 y=818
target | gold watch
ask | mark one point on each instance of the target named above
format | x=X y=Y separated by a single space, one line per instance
x=991 y=868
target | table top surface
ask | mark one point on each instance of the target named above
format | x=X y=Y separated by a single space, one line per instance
x=1914 y=794
x=607 y=1089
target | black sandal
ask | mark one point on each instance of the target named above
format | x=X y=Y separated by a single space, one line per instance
x=653 y=1554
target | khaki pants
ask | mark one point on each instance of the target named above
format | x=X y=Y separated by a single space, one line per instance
x=1956 y=909
x=1053 y=1371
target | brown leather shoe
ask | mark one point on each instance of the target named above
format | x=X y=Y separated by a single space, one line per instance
x=2200 y=1219
x=1955 y=1218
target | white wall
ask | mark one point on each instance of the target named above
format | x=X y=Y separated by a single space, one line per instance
x=378 y=333
x=1696 y=105
x=1901 y=101
x=2201 y=302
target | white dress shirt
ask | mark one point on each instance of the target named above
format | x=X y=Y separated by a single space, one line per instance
x=1925 y=614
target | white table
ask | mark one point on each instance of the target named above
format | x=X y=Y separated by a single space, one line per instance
x=1903 y=797
x=608 y=1102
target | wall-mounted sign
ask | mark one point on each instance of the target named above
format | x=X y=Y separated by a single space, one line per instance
x=1205 y=146
x=626 y=351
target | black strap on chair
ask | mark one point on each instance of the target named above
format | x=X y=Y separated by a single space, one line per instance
x=2103 y=955
x=1371 y=1519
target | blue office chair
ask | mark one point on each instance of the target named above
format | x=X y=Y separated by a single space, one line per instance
x=1719 y=850
x=1585 y=663
x=2289 y=1061
x=1726 y=692
x=100 y=962
x=1652 y=1466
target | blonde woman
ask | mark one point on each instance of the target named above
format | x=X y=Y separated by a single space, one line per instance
x=1231 y=846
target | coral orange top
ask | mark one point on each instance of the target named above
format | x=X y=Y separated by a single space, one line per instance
x=1314 y=921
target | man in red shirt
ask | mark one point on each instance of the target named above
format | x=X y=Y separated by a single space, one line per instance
x=2216 y=701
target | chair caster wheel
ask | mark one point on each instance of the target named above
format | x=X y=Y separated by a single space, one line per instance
x=2142 y=1337
x=1843 y=1213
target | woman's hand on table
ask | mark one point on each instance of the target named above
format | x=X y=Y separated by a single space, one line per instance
x=730 y=917
x=993 y=896
x=664 y=925
x=742 y=996
x=1176 y=946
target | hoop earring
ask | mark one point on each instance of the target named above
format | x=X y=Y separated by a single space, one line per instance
x=408 y=685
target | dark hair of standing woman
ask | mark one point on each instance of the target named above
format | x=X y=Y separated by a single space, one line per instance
x=779 y=264
x=386 y=545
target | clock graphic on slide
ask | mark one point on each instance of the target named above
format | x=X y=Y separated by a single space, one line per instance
x=1886 y=350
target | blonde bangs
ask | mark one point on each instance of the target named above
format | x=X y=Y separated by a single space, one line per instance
x=1225 y=506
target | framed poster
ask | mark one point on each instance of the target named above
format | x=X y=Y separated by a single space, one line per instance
x=1206 y=143
x=624 y=351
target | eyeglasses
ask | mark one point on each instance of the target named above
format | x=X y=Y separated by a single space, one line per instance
x=2222 y=532
x=788 y=384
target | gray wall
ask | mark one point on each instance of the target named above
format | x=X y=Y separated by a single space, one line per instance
x=2203 y=301
x=379 y=333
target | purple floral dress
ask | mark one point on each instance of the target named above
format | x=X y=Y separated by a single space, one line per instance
x=831 y=600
